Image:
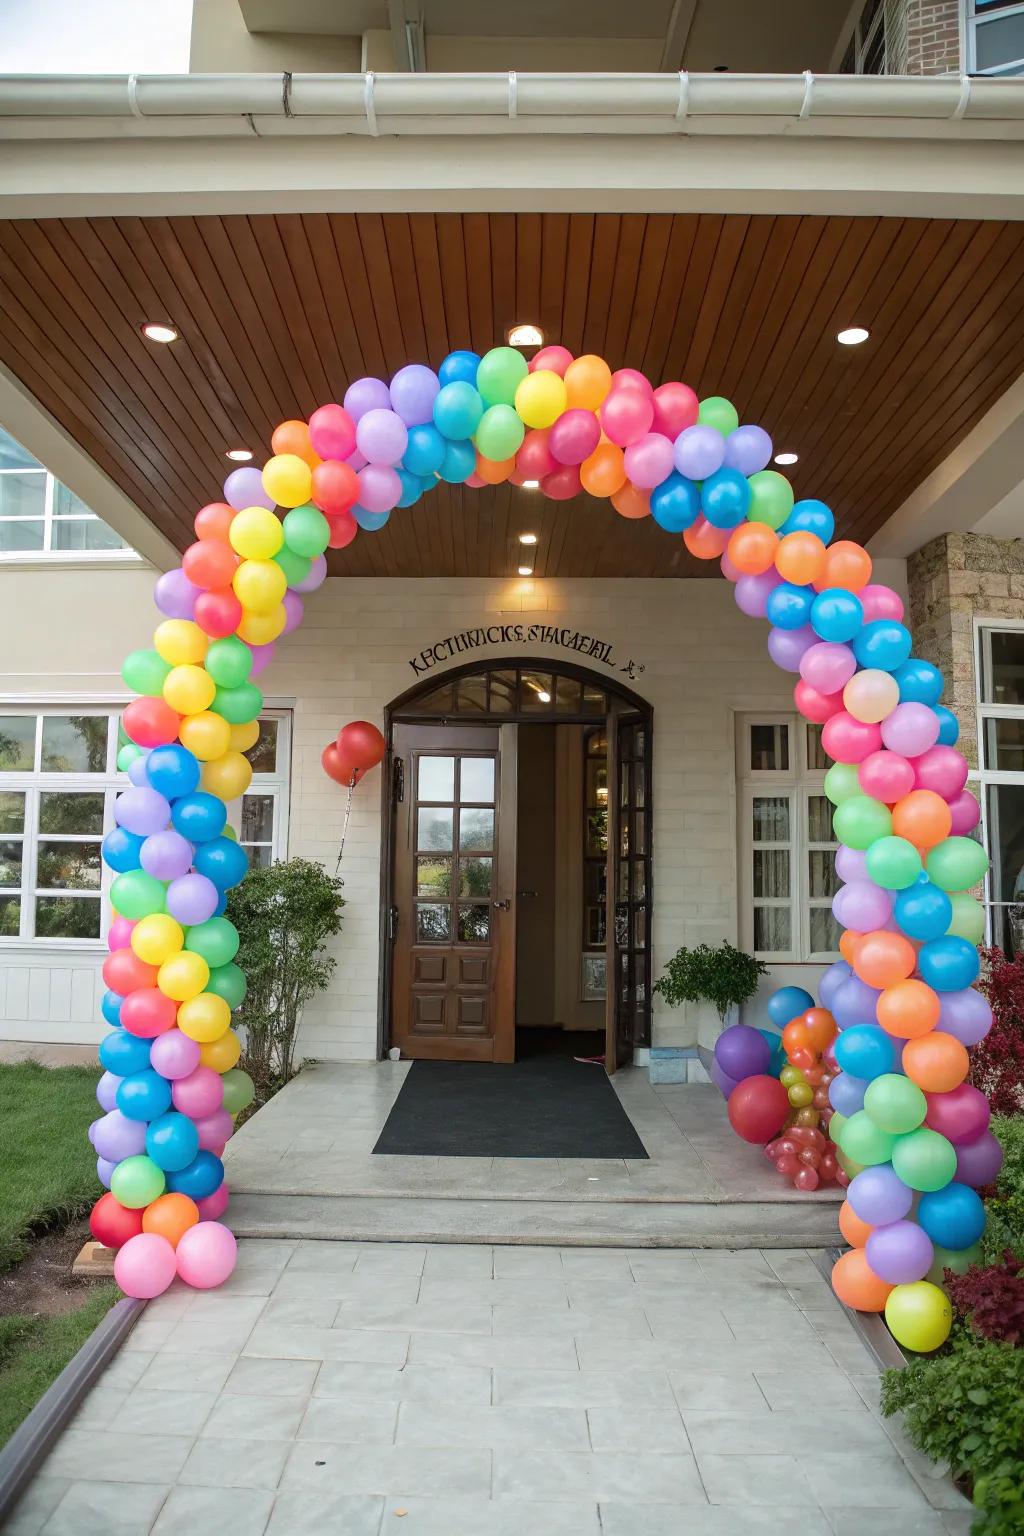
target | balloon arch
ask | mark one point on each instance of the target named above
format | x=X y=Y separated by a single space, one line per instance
x=882 y=1066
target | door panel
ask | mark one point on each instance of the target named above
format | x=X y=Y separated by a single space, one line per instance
x=627 y=1016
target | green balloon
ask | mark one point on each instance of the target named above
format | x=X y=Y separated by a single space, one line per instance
x=719 y=413
x=216 y=940
x=895 y=1104
x=499 y=375
x=145 y=672
x=957 y=864
x=229 y=831
x=968 y=918
x=893 y=863
x=848 y=1165
x=865 y=1141
x=500 y=433
x=835 y=1126
x=238 y=705
x=842 y=783
x=136 y=894
x=956 y=1259
x=228 y=981
x=859 y=821
x=127 y=755
x=924 y=1160
x=229 y=661
x=306 y=531
x=137 y=1181
x=238 y=1090
x=771 y=498
x=295 y=567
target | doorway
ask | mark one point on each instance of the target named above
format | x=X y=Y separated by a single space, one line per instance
x=518 y=797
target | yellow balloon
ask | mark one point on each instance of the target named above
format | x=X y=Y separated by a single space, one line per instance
x=288 y=479
x=204 y=1017
x=260 y=585
x=790 y=1075
x=221 y=1054
x=180 y=642
x=206 y=735
x=919 y=1315
x=262 y=628
x=157 y=937
x=189 y=689
x=256 y=534
x=588 y=380
x=541 y=398
x=183 y=976
x=243 y=737
x=228 y=776
x=801 y=1094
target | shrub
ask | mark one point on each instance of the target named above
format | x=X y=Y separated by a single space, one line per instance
x=1004 y=1207
x=990 y=1299
x=997 y=1064
x=284 y=913
x=723 y=976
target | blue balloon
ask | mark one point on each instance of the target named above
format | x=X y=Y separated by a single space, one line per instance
x=949 y=964
x=949 y=726
x=923 y=911
x=832 y=980
x=787 y=1003
x=172 y=1141
x=459 y=463
x=789 y=606
x=172 y=770
x=221 y=860
x=204 y=1174
x=199 y=817
x=725 y=497
x=810 y=517
x=846 y=1093
x=457 y=411
x=412 y=488
x=222 y=905
x=953 y=1217
x=121 y=850
x=883 y=643
x=370 y=522
x=865 y=1050
x=459 y=367
x=675 y=503
x=110 y=1007
x=124 y=1054
x=920 y=682
x=836 y=615
x=424 y=453
x=144 y=1095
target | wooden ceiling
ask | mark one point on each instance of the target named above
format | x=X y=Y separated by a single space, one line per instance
x=278 y=313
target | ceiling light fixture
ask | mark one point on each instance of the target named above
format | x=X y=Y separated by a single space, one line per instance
x=155 y=330
x=531 y=485
x=786 y=458
x=527 y=538
x=853 y=336
x=239 y=455
x=525 y=336
x=545 y=698
x=526 y=570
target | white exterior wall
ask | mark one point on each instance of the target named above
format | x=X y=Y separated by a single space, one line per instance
x=63 y=634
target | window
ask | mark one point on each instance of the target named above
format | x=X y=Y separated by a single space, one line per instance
x=865 y=53
x=454 y=829
x=1001 y=779
x=787 y=848
x=995 y=37
x=595 y=862
x=41 y=517
x=261 y=820
x=500 y=691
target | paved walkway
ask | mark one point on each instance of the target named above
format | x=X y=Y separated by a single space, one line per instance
x=408 y=1390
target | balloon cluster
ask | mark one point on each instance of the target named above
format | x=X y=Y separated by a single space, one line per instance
x=358 y=747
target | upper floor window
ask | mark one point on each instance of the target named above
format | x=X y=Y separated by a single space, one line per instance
x=1001 y=773
x=41 y=518
x=995 y=37
x=865 y=52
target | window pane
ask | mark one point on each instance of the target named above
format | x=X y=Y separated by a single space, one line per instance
x=825 y=931
x=257 y=819
x=771 y=930
x=263 y=756
x=567 y=695
x=597 y=743
x=434 y=876
x=597 y=832
x=1000 y=42
x=437 y=703
x=69 y=866
x=817 y=757
x=769 y=747
x=74 y=744
x=476 y=829
x=10 y=917
x=67 y=917
x=474 y=877
x=771 y=872
x=771 y=819
x=503 y=693
x=23 y=495
x=84 y=533
x=435 y=828
x=474 y=924
x=12 y=811
x=17 y=743
x=1004 y=745
x=1006 y=844
x=66 y=503
x=436 y=778
x=10 y=863
x=433 y=924
x=819 y=819
x=19 y=538
x=476 y=779
x=1006 y=684
x=535 y=691
x=594 y=701
x=597 y=781
x=822 y=873
x=65 y=811
x=471 y=695
x=13 y=455
x=261 y=855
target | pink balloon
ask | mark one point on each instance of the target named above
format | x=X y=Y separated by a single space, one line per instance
x=827 y=666
x=535 y=459
x=332 y=432
x=145 y=1265
x=206 y=1254
x=634 y=378
x=911 y=729
x=729 y=569
x=214 y=1130
x=851 y=863
x=649 y=460
x=815 y=706
x=626 y=415
x=199 y=1094
x=553 y=359
x=966 y=813
x=675 y=409
x=174 y=1055
x=880 y=603
x=847 y=740
x=213 y=1206
x=293 y=607
x=978 y=1162
x=962 y=1115
x=574 y=436
x=262 y=656
x=120 y=934
x=379 y=488
x=942 y=769
x=886 y=776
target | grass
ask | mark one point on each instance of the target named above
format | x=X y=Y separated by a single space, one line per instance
x=47 y=1165
x=34 y=1351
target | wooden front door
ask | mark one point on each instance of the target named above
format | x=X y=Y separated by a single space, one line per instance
x=628 y=933
x=453 y=920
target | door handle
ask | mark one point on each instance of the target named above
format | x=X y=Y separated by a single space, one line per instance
x=527 y=893
x=502 y=906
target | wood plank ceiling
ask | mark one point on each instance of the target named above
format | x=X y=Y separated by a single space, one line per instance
x=278 y=313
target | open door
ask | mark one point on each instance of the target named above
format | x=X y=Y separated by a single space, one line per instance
x=627 y=936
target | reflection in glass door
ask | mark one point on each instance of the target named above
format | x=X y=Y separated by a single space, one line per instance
x=629 y=859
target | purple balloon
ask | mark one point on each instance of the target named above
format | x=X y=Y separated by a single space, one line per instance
x=832 y=980
x=142 y=811
x=962 y=1115
x=356 y=460
x=91 y=1132
x=105 y=1171
x=846 y=1093
x=752 y=592
x=698 y=452
x=137 y=771
x=748 y=449
x=175 y=595
x=851 y=863
x=722 y=1081
x=382 y=436
x=741 y=1052
x=106 y=1090
x=879 y=1196
x=166 y=855
x=364 y=395
x=412 y=392
x=855 y=1003
x=786 y=647
x=910 y=729
x=293 y=607
x=192 y=899
x=828 y=666
x=900 y=1252
x=116 y=1136
x=978 y=1162
x=262 y=656
x=862 y=905
x=966 y=1014
x=214 y=1130
x=244 y=488
x=315 y=577
x=379 y=488
x=174 y=1055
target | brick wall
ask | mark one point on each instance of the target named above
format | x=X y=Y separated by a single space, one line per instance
x=932 y=37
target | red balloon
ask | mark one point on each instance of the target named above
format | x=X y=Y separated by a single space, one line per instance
x=675 y=409
x=553 y=359
x=335 y=487
x=562 y=483
x=343 y=530
x=806 y=1178
x=210 y=564
x=151 y=722
x=337 y=768
x=361 y=744
x=124 y=972
x=214 y=520
x=815 y=706
x=148 y=1012
x=757 y=1107
x=112 y=1223
x=534 y=459
x=218 y=613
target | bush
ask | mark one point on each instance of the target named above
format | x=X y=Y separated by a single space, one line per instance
x=723 y=976
x=997 y=1064
x=990 y=1299
x=1004 y=1207
x=284 y=913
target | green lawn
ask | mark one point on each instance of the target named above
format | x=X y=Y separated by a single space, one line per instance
x=34 y=1351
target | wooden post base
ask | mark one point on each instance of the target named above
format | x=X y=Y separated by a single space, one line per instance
x=94 y=1262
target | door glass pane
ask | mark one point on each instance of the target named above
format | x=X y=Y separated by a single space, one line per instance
x=595 y=701
x=640 y=927
x=435 y=828
x=597 y=832
x=10 y=917
x=622 y=893
x=257 y=819
x=1006 y=845
x=474 y=923
x=769 y=747
x=74 y=744
x=436 y=778
x=819 y=819
x=639 y=832
x=433 y=923
x=1004 y=745
x=61 y=811
x=17 y=743
x=822 y=873
x=535 y=692
x=1005 y=684
x=567 y=695
x=10 y=863
x=263 y=756
x=68 y=866
x=771 y=872
x=471 y=695
x=474 y=877
x=639 y=741
x=476 y=779
x=434 y=876
x=67 y=917
x=625 y=770
x=639 y=880
x=503 y=693
x=476 y=829
x=597 y=781
x=771 y=819
x=624 y=835
x=771 y=929
x=825 y=931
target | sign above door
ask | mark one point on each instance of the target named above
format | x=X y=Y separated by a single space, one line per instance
x=566 y=638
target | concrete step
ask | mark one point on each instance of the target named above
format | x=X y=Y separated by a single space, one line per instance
x=560 y=1223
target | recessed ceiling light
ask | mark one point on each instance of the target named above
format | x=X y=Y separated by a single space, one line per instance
x=526 y=570
x=786 y=458
x=531 y=485
x=240 y=455
x=525 y=336
x=527 y=538
x=545 y=698
x=155 y=330
x=853 y=336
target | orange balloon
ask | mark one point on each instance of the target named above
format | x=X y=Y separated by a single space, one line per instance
x=796 y=1038
x=849 y=942
x=752 y=548
x=936 y=1062
x=908 y=1010
x=604 y=472
x=922 y=817
x=800 y=558
x=588 y=380
x=857 y=1285
x=820 y=1027
x=853 y=1229
x=169 y=1216
x=704 y=540
x=846 y=565
x=630 y=501
x=883 y=958
x=293 y=437
x=494 y=471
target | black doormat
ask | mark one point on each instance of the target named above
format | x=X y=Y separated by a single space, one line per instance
x=548 y=1106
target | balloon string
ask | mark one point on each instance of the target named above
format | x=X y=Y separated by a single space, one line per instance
x=344 y=825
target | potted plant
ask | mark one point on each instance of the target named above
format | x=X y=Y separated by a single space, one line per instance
x=722 y=979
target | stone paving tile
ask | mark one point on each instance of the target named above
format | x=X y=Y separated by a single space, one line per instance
x=205 y=1511
x=272 y=1378
x=851 y=1481
x=236 y=1463
x=707 y=1393
x=625 y=1390
x=556 y=1475
x=638 y=1519
x=35 y=1506
x=254 y=1417
x=79 y=1453
x=784 y=1433
x=743 y=1480
x=405 y=1469
x=893 y=1522
x=350 y=1422
x=163 y=1412
x=542 y=1354
x=106 y=1509
x=641 y=1429
x=170 y=1372
x=294 y=1342
x=522 y=1322
x=502 y=1428
x=455 y=1386
x=312 y=1511
x=489 y=1517
x=99 y=1408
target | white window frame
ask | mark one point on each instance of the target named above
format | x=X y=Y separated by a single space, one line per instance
x=983 y=777
x=276 y=785
x=971 y=22
x=48 y=516
x=863 y=41
x=797 y=783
